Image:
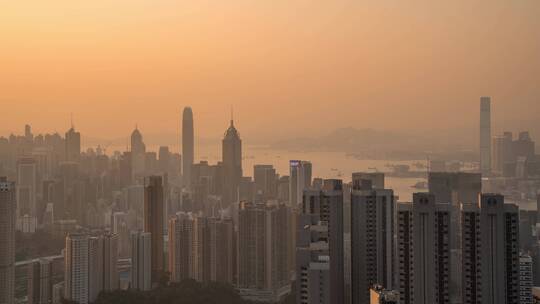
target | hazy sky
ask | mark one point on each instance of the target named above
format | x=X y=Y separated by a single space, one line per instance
x=288 y=67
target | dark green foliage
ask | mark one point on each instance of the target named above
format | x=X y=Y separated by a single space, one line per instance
x=39 y=244
x=187 y=292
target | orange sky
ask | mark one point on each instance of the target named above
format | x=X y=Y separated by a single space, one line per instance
x=289 y=67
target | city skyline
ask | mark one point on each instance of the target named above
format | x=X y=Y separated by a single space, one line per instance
x=276 y=152
x=344 y=57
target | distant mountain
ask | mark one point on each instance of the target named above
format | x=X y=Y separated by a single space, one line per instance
x=374 y=144
x=346 y=139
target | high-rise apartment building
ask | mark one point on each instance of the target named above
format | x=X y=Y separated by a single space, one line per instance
x=153 y=222
x=90 y=266
x=222 y=251
x=423 y=251
x=327 y=205
x=312 y=259
x=262 y=252
x=299 y=180
x=454 y=189
x=7 y=240
x=95 y=267
x=76 y=260
x=141 y=260
x=372 y=239
x=40 y=282
x=188 y=146
x=201 y=248
x=485 y=135
x=525 y=279
x=333 y=198
x=110 y=261
x=490 y=251
x=180 y=242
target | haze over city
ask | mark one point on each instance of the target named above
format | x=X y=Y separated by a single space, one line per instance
x=370 y=64
x=270 y=152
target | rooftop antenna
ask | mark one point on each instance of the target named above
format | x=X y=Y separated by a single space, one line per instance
x=72 y=126
x=232 y=115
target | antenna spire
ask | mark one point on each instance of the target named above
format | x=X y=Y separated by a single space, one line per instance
x=72 y=125
x=232 y=116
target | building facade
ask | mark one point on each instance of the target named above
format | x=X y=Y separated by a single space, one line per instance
x=423 y=251
x=232 y=165
x=188 y=146
x=153 y=222
x=372 y=240
x=7 y=239
x=485 y=135
x=141 y=260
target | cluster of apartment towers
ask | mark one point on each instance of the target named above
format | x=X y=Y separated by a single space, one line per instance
x=335 y=242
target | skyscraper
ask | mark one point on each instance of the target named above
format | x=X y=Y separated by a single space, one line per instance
x=423 y=251
x=138 y=153
x=188 y=146
x=153 y=222
x=299 y=180
x=372 y=240
x=232 y=165
x=7 y=240
x=490 y=251
x=485 y=135
x=141 y=260
x=73 y=145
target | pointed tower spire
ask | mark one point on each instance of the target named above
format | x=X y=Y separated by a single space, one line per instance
x=232 y=116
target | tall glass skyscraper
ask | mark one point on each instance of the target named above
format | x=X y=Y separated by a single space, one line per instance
x=188 y=146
